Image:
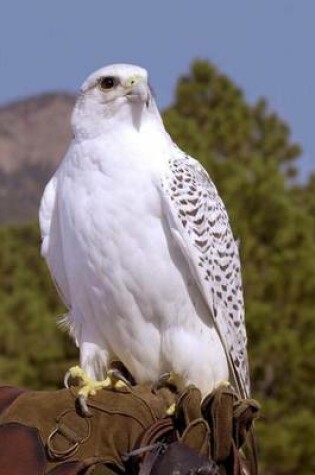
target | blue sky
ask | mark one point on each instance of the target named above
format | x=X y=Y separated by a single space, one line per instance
x=265 y=46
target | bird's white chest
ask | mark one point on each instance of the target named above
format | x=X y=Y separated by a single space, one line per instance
x=114 y=231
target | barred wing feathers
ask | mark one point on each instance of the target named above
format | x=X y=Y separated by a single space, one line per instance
x=200 y=225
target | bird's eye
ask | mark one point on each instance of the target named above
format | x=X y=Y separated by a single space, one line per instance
x=107 y=82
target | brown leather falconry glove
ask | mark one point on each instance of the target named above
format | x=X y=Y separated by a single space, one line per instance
x=231 y=421
x=128 y=431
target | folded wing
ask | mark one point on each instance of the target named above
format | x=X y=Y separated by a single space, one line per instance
x=200 y=225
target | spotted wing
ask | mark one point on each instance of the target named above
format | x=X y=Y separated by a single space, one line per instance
x=200 y=225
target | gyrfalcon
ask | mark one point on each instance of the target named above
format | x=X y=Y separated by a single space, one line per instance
x=139 y=244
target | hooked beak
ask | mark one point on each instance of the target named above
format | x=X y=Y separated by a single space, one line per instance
x=139 y=93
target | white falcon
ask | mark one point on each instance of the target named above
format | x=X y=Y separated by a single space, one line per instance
x=139 y=244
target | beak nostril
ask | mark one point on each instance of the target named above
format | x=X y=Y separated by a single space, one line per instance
x=132 y=81
x=137 y=90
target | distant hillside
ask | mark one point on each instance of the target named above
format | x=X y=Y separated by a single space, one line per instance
x=34 y=134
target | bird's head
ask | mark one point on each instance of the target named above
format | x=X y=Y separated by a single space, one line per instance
x=111 y=96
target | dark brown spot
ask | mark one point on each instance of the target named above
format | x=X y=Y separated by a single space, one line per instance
x=224 y=268
x=192 y=212
x=200 y=243
x=200 y=220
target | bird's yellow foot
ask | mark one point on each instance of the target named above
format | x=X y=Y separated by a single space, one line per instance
x=89 y=387
x=224 y=382
x=172 y=381
x=170 y=411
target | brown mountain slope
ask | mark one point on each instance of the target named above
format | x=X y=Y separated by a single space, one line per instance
x=34 y=134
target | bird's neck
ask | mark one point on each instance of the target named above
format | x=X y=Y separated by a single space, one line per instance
x=115 y=118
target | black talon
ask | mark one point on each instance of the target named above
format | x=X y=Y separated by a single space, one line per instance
x=66 y=379
x=162 y=381
x=119 y=376
x=82 y=406
x=122 y=373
